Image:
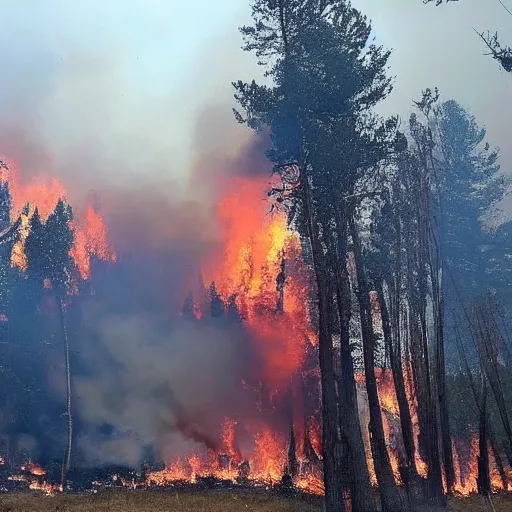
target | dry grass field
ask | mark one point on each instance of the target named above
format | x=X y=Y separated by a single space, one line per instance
x=213 y=501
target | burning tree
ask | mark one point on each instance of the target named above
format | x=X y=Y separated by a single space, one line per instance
x=321 y=122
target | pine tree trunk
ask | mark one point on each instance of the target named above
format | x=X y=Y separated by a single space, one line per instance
x=331 y=443
x=390 y=497
x=438 y=304
x=67 y=458
x=419 y=381
x=483 y=480
x=363 y=499
x=395 y=359
x=435 y=482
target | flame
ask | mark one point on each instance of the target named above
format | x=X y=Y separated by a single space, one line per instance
x=247 y=266
x=33 y=469
x=315 y=436
x=44 y=193
x=311 y=484
x=260 y=265
x=269 y=456
x=90 y=240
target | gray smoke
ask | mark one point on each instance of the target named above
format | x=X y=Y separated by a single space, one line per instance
x=133 y=99
x=158 y=385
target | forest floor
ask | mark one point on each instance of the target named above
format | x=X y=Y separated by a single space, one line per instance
x=213 y=501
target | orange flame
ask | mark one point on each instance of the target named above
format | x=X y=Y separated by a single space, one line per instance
x=44 y=193
x=248 y=267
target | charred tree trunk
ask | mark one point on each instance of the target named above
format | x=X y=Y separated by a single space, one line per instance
x=292 y=455
x=419 y=381
x=487 y=348
x=433 y=460
x=483 y=480
x=395 y=358
x=331 y=442
x=438 y=305
x=67 y=457
x=416 y=296
x=363 y=499
x=390 y=497
x=497 y=457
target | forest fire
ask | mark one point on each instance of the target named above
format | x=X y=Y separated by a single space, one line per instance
x=258 y=273
x=43 y=194
x=260 y=269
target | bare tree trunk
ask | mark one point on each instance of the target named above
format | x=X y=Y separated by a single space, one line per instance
x=487 y=345
x=398 y=379
x=390 y=497
x=438 y=267
x=438 y=306
x=483 y=480
x=331 y=442
x=67 y=458
x=433 y=460
x=363 y=499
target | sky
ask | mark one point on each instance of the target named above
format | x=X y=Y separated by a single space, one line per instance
x=122 y=90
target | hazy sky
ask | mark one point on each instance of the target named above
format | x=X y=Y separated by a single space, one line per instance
x=116 y=88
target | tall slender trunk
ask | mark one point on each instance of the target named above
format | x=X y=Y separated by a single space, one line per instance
x=434 y=459
x=331 y=442
x=436 y=269
x=437 y=226
x=390 y=497
x=67 y=457
x=395 y=359
x=363 y=499
x=483 y=479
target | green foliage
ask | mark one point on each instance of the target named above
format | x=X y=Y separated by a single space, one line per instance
x=48 y=246
x=465 y=183
x=470 y=187
x=326 y=78
x=60 y=238
x=217 y=309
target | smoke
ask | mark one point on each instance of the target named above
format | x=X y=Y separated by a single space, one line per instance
x=112 y=95
x=160 y=385
x=132 y=100
x=438 y=47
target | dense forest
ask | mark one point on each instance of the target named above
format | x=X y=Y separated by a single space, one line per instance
x=409 y=204
x=396 y=252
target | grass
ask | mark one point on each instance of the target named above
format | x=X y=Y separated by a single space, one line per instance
x=156 y=501
x=182 y=501
x=501 y=503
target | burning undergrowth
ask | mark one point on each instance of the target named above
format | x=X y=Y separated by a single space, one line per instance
x=194 y=348
x=167 y=386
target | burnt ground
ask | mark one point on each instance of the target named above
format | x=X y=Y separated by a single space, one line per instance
x=202 y=501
